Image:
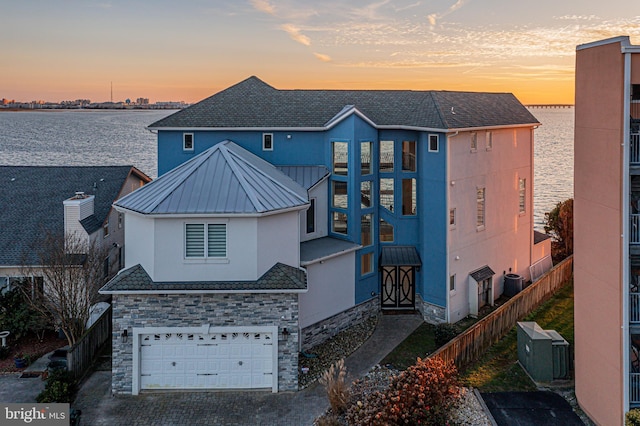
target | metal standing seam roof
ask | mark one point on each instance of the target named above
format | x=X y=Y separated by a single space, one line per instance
x=225 y=179
x=252 y=103
x=318 y=249
x=280 y=277
x=400 y=256
x=306 y=176
x=31 y=202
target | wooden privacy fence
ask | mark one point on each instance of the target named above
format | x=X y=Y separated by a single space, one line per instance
x=81 y=355
x=470 y=345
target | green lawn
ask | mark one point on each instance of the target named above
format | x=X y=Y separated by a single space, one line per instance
x=498 y=370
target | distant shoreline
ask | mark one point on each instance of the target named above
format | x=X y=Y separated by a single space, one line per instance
x=83 y=109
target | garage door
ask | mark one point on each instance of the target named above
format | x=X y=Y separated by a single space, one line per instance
x=225 y=360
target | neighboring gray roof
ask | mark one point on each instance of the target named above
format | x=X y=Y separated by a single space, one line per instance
x=482 y=274
x=31 y=203
x=399 y=255
x=539 y=237
x=254 y=104
x=136 y=280
x=225 y=179
x=306 y=176
x=321 y=248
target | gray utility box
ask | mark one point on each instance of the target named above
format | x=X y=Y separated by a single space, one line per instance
x=544 y=354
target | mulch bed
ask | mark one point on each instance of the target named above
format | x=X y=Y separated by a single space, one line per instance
x=32 y=347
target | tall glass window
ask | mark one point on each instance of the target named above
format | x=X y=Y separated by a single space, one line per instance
x=386 y=156
x=366 y=230
x=408 y=156
x=408 y=197
x=366 y=263
x=339 y=223
x=386 y=193
x=340 y=158
x=365 y=194
x=522 y=195
x=365 y=158
x=339 y=190
x=386 y=231
x=480 y=208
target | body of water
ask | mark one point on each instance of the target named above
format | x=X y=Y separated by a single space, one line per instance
x=98 y=138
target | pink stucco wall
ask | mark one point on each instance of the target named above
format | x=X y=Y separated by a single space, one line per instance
x=597 y=228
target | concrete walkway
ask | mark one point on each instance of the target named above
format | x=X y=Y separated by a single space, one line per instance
x=233 y=407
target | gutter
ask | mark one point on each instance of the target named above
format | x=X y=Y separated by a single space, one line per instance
x=330 y=256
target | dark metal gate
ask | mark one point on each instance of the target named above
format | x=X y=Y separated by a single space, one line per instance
x=398 y=289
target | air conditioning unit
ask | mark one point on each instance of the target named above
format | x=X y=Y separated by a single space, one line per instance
x=544 y=354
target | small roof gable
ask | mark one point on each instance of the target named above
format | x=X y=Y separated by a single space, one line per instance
x=305 y=176
x=32 y=196
x=135 y=280
x=482 y=274
x=254 y=104
x=225 y=179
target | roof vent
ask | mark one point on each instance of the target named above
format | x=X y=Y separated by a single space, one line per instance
x=80 y=195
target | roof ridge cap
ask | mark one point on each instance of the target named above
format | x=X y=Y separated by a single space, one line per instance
x=271 y=179
x=434 y=98
x=231 y=161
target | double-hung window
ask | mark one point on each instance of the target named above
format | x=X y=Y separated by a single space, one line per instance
x=205 y=240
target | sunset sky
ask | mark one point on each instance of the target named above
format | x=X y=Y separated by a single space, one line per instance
x=188 y=50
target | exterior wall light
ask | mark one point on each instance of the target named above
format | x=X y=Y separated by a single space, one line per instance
x=124 y=336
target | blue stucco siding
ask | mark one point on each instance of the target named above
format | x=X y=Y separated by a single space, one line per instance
x=289 y=148
x=433 y=226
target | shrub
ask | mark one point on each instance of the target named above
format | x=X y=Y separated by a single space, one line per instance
x=444 y=332
x=337 y=390
x=60 y=388
x=17 y=315
x=423 y=394
x=632 y=418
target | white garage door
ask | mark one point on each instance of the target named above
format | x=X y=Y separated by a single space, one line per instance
x=226 y=360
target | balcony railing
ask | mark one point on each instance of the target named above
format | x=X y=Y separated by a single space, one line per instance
x=635 y=148
x=634 y=388
x=634 y=308
x=634 y=229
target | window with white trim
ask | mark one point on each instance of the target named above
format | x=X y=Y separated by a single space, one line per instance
x=311 y=216
x=452 y=218
x=452 y=282
x=480 y=208
x=474 y=141
x=489 y=141
x=267 y=141
x=434 y=143
x=522 y=196
x=187 y=141
x=201 y=244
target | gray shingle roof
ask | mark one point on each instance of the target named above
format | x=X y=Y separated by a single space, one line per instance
x=280 y=277
x=482 y=273
x=254 y=104
x=31 y=203
x=225 y=179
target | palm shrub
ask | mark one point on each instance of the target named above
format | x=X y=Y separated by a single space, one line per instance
x=632 y=418
x=422 y=394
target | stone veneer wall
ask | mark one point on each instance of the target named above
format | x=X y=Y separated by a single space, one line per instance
x=323 y=330
x=193 y=310
x=433 y=314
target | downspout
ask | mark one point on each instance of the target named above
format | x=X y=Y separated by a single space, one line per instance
x=446 y=221
x=626 y=129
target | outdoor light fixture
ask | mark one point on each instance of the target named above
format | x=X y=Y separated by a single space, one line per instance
x=285 y=333
x=124 y=336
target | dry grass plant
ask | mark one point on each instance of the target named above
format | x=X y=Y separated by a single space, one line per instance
x=334 y=380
